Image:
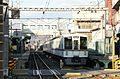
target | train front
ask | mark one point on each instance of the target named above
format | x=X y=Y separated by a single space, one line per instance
x=75 y=50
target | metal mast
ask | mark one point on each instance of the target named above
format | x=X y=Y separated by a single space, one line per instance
x=109 y=5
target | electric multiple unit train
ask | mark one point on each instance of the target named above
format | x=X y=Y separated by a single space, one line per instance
x=70 y=48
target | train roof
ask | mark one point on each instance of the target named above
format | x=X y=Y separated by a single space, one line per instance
x=67 y=35
x=74 y=34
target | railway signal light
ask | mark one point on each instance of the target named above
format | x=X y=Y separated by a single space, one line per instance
x=12 y=64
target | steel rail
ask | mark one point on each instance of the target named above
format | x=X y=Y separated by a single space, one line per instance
x=37 y=67
x=49 y=67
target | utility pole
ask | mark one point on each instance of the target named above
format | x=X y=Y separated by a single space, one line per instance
x=113 y=30
x=109 y=5
x=4 y=41
x=59 y=26
x=1 y=42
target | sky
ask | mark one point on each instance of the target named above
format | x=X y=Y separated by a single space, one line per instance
x=50 y=3
x=56 y=3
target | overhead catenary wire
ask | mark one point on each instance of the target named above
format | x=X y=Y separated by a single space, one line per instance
x=98 y=2
x=46 y=6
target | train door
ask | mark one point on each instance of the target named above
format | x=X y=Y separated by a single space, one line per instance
x=75 y=45
x=75 y=42
x=76 y=52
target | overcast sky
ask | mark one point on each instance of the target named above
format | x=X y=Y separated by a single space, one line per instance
x=51 y=3
x=56 y=3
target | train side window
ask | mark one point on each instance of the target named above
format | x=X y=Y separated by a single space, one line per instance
x=83 y=43
x=68 y=42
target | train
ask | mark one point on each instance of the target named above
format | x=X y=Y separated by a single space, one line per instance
x=70 y=49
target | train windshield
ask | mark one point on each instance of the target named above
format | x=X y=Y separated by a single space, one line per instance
x=75 y=44
x=83 y=43
x=68 y=42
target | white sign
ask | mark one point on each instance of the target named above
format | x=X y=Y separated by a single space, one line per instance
x=108 y=33
x=108 y=27
x=115 y=56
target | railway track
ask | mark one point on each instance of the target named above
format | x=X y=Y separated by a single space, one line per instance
x=40 y=63
x=44 y=68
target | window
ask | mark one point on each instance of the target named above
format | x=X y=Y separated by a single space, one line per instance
x=83 y=43
x=1 y=9
x=68 y=42
x=32 y=25
x=1 y=37
x=54 y=26
x=78 y=27
x=1 y=18
x=40 y=26
x=1 y=28
x=47 y=27
x=75 y=44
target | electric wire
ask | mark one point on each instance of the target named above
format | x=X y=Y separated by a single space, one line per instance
x=46 y=6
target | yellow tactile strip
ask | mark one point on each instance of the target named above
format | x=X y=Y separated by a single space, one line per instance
x=100 y=74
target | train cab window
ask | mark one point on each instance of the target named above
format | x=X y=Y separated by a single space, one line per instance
x=83 y=43
x=75 y=44
x=68 y=42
